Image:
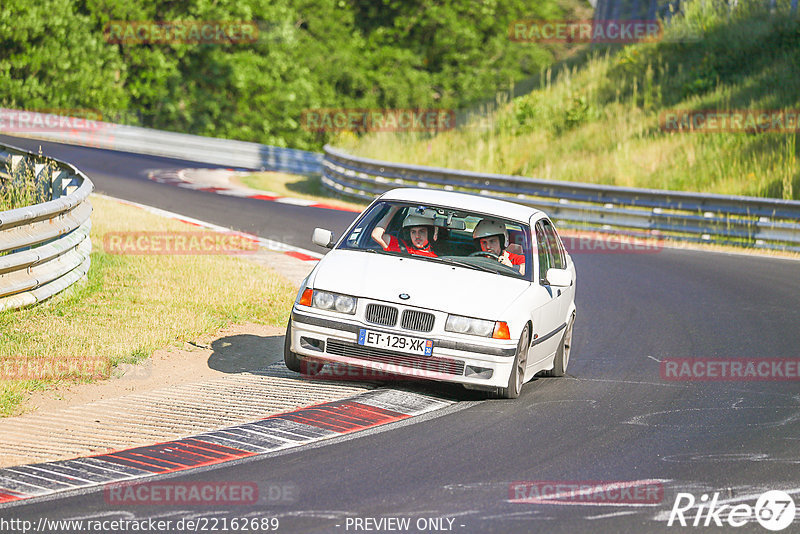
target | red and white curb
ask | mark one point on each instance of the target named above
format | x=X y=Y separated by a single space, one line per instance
x=274 y=433
x=179 y=178
x=269 y=244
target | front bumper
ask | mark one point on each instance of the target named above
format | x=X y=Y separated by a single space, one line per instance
x=485 y=363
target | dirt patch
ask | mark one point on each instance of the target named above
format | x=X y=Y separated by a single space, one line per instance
x=235 y=348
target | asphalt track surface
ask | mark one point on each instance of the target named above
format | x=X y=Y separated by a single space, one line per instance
x=124 y=175
x=613 y=418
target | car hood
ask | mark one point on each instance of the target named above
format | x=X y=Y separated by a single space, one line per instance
x=430 y=285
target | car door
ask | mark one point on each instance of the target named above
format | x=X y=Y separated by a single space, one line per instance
x=547 y=317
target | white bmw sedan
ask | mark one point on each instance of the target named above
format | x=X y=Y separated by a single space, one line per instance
x=439 y=285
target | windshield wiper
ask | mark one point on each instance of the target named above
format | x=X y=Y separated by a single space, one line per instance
x=380 y=251
x=448 y=261
x=464 y=264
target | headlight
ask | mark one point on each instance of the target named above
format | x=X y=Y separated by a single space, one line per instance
x=345 y=304
x=467 y=325
x=323 y=299
x=326 y=300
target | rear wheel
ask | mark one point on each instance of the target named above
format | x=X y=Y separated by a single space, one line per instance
x=517 y=376
x=562 y=355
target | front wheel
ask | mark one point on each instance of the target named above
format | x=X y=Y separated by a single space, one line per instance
x=290 y=358
x=562 y=355
x=292 y=361
x=517 y=376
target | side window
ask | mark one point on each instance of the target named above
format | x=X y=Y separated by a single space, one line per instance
x=357 y=238
x=545 y=259
x=559 y=259
x=361 y=235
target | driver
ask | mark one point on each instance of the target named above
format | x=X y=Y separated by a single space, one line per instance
x=490 y=235
x=418 y=230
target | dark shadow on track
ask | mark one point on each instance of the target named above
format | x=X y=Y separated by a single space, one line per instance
x=245 y=352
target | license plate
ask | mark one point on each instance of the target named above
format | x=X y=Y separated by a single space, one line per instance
x=383 y=340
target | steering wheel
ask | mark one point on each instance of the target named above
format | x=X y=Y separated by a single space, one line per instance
x=487 y=254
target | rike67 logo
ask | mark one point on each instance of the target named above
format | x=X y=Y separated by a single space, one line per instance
x=774 y=510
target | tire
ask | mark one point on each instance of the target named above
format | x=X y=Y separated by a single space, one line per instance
x=293 y=361
x=290 y=358
x=517 y=375
x=562 y=354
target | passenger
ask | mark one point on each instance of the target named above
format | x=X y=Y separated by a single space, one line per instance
x=492 y=236
x=418 y=229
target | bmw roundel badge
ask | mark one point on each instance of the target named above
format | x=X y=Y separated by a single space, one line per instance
x=405 y=296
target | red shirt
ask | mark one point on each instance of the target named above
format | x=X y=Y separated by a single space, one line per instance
x=394 y=246
x=516 y=259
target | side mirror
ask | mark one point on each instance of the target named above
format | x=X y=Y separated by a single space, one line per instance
x=558 y=277
x=323 y=238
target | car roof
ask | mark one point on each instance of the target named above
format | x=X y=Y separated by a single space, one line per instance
x=463 y=201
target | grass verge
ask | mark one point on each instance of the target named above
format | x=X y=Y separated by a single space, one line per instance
x=130 y=306
x=599 y=121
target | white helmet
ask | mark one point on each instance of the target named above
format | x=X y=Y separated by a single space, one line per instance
x=425 y=218
x=490 y=227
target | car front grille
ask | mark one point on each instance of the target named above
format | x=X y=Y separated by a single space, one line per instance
x=380 y=314
x=446 y=366
x=417 y=321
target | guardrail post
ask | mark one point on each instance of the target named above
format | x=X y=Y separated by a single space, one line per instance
x=56 y=185
x=71 y=186
x=16 y=161
x=41 y=172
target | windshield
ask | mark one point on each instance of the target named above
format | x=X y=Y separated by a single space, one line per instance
x=445 y=235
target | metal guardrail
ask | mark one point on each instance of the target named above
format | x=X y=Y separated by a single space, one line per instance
x=44 y=248
x=744 y=221
x=647 y=213
x=139 y=140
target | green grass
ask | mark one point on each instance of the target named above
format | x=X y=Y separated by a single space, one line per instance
x=23 y=187
x=597 y=120
x=130 y=306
